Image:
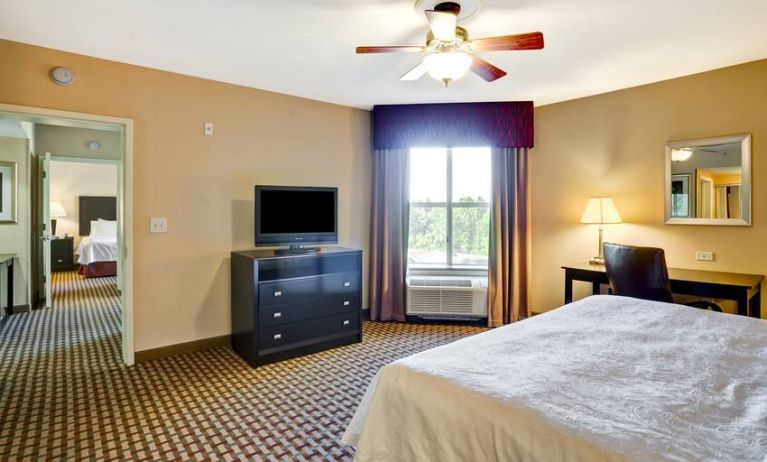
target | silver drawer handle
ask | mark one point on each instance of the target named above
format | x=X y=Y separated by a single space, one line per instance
x=59 y=260
x=347 y=303
x=346 y=323
x=347 y=284
x=278 y=293
x=278 y=315
x=277 y=336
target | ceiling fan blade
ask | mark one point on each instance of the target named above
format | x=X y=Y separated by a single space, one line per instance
x=391 y=49
x=529 y=41
x=442 y=24
x=415 y=73
x=486 y=70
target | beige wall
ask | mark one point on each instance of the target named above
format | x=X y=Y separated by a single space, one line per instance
x=203 y=185
x=70 y=180
x=612 y=144
x=73 y=142
x=14 y=237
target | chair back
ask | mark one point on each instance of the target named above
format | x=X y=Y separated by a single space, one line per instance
x=638 y=272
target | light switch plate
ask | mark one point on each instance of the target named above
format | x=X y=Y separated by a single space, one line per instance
x=158 y=225
x=208 y=128
x=704 y=256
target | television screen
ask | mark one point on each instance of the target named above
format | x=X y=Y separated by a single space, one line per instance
x=296 y=215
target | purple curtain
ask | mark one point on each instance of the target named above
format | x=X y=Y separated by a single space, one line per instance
x=498 y=125
x=388 y=234
x=505 y=126
x=510 y=252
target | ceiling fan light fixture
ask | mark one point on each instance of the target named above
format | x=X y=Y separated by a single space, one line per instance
x=447 y=66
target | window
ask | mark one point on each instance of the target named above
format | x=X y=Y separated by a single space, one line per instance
x=449 y=207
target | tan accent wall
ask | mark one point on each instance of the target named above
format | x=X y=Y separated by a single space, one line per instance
x=203 y=185
x=612 y=144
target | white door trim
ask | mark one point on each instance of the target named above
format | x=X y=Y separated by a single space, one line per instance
x=100 y=121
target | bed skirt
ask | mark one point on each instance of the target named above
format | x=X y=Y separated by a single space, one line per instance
x=98 y=269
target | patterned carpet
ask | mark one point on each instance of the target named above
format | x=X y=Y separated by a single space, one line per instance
x=64 y=395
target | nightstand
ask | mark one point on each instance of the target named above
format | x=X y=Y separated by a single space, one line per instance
x=62 y=254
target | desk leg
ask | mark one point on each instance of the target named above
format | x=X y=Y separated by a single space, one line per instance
x=596 y=288
x=568 y=288
x=755 y=305
x=743 y=303
x=9 y=308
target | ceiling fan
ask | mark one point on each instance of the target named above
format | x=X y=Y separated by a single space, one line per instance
x=448 y=53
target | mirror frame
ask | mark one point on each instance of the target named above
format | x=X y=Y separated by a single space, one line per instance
x=745 y=149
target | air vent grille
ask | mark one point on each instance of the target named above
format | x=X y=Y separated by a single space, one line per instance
x=447 y=297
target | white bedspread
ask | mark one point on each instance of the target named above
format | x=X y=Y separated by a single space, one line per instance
x=96 y=248
x=603 y=379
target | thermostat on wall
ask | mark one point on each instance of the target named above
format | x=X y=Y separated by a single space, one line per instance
x=62 y=76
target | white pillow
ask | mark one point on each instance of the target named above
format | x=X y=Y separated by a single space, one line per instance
x=104 y=228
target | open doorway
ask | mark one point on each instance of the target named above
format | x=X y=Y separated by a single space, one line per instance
x=70 y=246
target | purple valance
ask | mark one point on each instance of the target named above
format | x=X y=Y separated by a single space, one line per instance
x=499 y=125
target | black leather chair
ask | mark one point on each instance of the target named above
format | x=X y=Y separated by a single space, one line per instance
x=641 y=272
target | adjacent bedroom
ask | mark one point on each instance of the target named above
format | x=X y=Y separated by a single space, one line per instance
x=383 y=230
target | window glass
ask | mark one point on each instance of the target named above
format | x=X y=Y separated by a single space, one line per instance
x=428 y=181
x=427 y=239
x=449 y=233
x=471 y=174
x=471 y=236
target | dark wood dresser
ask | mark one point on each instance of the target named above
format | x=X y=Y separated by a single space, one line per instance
x=62 y=254
x=285 y=306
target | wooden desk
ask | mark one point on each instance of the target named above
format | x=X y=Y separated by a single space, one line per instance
x=745 y=289
x=6 y=259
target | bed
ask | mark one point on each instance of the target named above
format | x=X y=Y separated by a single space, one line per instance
x=97 y=250
x=603 y=379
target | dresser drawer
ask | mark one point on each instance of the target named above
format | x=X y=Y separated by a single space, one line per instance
x=310 y=331
x=304 y=289
x=273 y=315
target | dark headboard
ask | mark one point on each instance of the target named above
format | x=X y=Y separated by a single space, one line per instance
x=92 y=208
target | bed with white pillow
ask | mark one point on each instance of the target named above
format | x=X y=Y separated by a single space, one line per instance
x=97 y=252
x=603 y=379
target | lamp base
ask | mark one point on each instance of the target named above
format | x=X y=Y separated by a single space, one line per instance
x=597 y=261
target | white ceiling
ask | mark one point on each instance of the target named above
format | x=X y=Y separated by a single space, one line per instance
x=306 y=47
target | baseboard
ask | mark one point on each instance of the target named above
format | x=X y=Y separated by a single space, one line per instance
x=20 y=309
x=182 y=348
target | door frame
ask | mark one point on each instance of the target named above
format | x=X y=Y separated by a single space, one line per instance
x=120 y=203
x=79 y=119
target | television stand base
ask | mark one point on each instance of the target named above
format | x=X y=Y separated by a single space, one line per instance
x=297 y=250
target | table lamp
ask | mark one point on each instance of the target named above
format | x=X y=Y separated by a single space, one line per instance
x=600 y=211
x=57 y=211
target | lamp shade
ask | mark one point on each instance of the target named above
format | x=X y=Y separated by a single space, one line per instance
x=57 y=210
x=447 y=66
x=600 y=211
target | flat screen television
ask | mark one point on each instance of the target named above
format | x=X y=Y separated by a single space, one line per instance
x=296 y=216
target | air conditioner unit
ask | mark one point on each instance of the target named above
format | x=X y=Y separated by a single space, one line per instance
x=447 y=296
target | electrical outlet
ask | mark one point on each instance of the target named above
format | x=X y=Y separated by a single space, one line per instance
x=208 y=128
x=704 y=256
x=158 y=225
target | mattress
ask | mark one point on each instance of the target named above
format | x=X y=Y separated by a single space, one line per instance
x=603 y=379
x=94 y=249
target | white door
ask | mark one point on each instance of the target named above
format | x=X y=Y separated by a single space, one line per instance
x=45 y=236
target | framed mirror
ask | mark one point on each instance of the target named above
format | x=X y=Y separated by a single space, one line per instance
x=708 y=181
